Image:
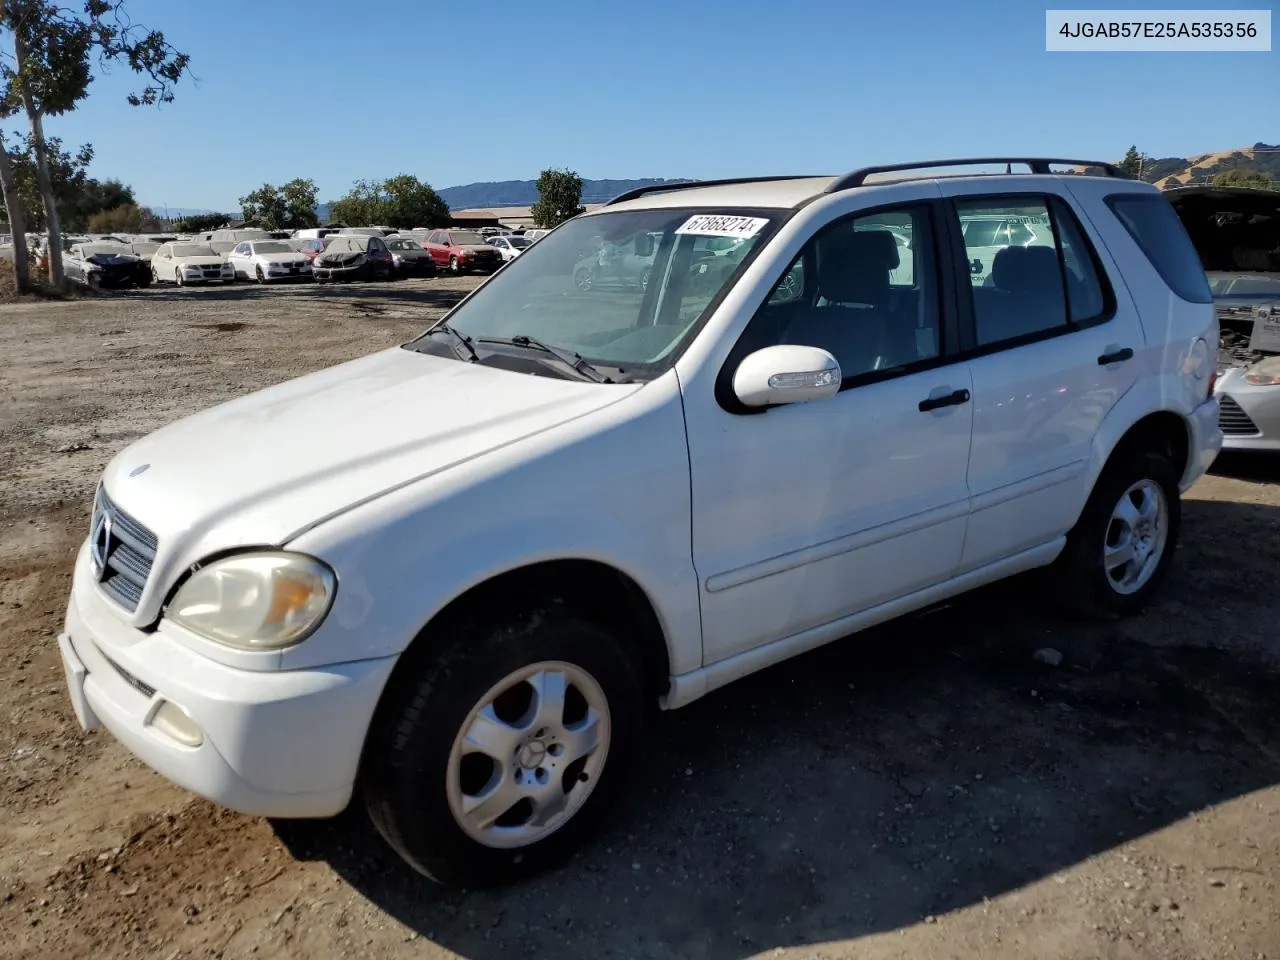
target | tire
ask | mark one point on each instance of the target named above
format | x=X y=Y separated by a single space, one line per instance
x=155 y=277
x=453 y=265
x=584 y=279
x=413 y=762
x=177 y=277
x=1089 y=577
x=644 y=280
x=260 y=277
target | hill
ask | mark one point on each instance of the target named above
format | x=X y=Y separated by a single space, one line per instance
x=1169 y=172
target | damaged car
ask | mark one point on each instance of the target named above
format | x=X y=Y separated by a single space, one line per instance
x=355 y=257
x=108 y=266
x=1236 y=232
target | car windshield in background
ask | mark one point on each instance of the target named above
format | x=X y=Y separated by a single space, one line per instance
x=275 y=246
x=108 y=249
x=518 y=242
x=403 y=245
x=623 y=289
x=144 y=249
x=467 y=239
x=192 y=250
x=348 y=244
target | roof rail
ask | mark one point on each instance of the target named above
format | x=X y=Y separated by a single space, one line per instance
x=666 y=187
x=857 y=178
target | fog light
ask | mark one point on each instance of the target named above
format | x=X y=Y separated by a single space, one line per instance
x=171 y=720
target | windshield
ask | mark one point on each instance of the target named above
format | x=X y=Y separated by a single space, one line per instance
x=403 y=245
x=622 y=289
x=145 y=249
x=464 y=239
x=192 y=250
x=1221 y=285
x=273 y=246
x=518 y=242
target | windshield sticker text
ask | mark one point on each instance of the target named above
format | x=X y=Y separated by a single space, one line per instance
x=707 y=225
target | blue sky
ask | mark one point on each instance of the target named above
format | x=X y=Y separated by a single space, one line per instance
x=460 y=92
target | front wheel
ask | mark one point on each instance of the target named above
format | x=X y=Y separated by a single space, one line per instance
x=177 y=278
x=1120 y=549
x=494 y=757
x=454 y=267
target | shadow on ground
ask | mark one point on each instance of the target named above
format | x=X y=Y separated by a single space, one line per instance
x=1256 y=467
x=899 y=774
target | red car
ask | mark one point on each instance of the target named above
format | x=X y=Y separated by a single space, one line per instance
x=313 y=248
x=462 y=251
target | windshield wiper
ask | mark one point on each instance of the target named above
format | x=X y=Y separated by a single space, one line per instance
x=574 y=361
x=462 y=338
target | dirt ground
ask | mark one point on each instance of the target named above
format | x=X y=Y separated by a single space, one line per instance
x=931 y=789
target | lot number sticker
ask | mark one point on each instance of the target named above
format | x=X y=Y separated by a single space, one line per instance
x=707 y=225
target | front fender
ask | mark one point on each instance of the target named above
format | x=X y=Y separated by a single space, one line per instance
x=611 y=487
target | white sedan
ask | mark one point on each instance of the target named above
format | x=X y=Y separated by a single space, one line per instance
x=185 y=263
x=509 y=247
x=265 y=260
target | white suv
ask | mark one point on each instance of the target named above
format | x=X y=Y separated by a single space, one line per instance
x=457 y=572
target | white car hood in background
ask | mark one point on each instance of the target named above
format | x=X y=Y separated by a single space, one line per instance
x=293 y=257
x=259 y=469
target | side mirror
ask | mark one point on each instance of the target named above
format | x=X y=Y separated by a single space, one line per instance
x=786 y=373
x=975 y=265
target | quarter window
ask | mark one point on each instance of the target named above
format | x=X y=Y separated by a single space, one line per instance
x=1158 y=232
x=865 y=290
x=1034 y=274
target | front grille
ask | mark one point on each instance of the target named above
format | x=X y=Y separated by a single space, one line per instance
x=123 y=551
x=1232 y=420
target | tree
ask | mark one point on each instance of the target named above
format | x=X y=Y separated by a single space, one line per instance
x=68 y=173
x=408 y=202
x=94 y=197
x=200 y=222
x=129 y=218
x=290 y=207
x=559 y=198
x=49 y=72
x=361 y=206
x=1132 y=162
x=1253 y=179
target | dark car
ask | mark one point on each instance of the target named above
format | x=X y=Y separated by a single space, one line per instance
x=353 y=257
x=410 y=258
x=106 y=265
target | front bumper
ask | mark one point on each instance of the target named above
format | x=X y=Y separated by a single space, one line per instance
x=304 y=273
x=1206 y=442
x=275 y=743
x=339 y=273
x=1250 y=417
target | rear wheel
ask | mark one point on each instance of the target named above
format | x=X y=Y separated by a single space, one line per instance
x=1119 y=551
x=494 y=757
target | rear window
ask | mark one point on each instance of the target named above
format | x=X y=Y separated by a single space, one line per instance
x=1156 y=229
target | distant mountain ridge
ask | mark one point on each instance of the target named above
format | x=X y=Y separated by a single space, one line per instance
x=1168 y=172
x=1165 y=172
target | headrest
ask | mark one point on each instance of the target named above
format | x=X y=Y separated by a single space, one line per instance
x=854 y=266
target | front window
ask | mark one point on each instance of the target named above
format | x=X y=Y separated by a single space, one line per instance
x=274 y=246
x=622 y=289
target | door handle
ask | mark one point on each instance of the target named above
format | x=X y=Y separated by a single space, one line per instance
x=953 y=399
x=1116 y=356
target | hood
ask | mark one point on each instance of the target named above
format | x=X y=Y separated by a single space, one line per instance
x=338 y=259
x=477 y=248
x=292 y=257
x=112 y=259
x=409 y=254
x=260 y=469
x=200 y=261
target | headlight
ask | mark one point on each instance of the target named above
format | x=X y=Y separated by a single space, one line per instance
x=1264 y=373
x=256 y=601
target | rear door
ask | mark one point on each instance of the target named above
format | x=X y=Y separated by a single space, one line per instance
x=1054 y=342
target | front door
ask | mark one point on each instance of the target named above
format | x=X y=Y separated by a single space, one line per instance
x=1056 y=345
x=809 y=513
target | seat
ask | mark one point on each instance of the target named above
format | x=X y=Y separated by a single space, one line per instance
x=1025 y=296
x=853 y=283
